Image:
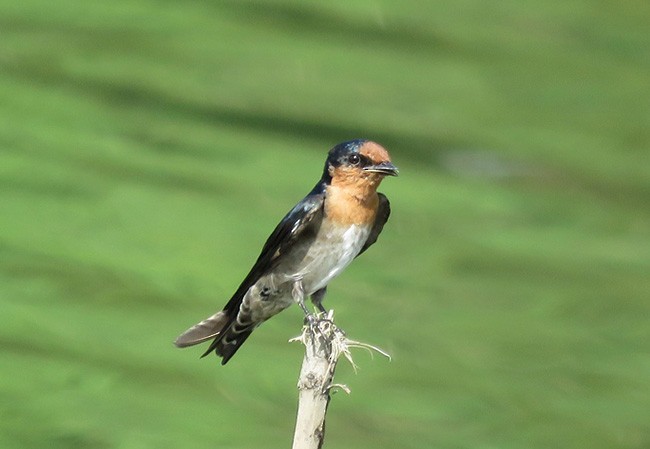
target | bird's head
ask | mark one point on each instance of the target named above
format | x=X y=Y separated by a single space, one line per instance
x=358 y=162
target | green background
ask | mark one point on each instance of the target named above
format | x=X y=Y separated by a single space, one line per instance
x=147 y=149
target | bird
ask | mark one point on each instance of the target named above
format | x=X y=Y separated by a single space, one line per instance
x=339 y=219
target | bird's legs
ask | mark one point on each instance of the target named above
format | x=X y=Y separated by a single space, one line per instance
x=298 y=293
x=317 y=300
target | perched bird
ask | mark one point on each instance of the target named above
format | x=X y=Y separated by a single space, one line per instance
x=338 y=220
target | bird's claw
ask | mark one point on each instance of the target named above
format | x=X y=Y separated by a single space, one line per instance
x=310 y=320
x=321 y=321
x=321 y=327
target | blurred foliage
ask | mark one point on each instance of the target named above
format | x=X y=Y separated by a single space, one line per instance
x=147 y=148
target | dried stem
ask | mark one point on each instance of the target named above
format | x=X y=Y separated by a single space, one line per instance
x=324 y=344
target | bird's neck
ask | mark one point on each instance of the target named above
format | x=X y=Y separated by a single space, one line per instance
x=351 y=204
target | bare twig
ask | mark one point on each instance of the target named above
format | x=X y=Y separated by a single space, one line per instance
x=324 y=344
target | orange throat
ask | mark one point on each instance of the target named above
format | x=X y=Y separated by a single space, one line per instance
x=352 y=199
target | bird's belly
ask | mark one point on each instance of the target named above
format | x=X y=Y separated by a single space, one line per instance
x=328 y=255
x=314 y=263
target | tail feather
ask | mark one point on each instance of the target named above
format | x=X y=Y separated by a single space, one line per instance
x=228 y=333
x=234 y=335
x=205 y=330
x=226 y=346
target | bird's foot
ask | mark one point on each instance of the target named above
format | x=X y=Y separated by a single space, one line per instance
x=318 y=324
x=321 y=322
x=321 y=328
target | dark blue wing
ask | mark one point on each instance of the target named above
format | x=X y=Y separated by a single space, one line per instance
x=306 y=213
x=383 y=212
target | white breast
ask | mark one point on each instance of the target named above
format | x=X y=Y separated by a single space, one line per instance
x=337 y=247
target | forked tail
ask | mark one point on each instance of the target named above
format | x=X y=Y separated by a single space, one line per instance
x=228 y=332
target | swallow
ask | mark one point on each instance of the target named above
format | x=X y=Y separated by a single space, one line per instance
x=337 y=221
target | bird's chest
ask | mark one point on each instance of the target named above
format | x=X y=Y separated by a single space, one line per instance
x=333 y=248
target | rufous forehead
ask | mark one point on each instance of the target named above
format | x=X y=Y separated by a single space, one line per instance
x=374 y=152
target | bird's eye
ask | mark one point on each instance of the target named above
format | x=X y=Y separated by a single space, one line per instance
x=354 y=159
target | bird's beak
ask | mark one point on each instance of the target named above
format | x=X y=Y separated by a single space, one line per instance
x=385 y=168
